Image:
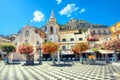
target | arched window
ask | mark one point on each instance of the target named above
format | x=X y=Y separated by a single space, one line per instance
x=26 y=41
x=27 y=33
x=37 y=43
x=51 y=30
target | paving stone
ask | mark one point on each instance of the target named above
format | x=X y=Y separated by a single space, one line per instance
x=48 y=72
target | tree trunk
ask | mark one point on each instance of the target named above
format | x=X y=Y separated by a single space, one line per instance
x=115 y=56
x=53 y=59
x=40 y=57
x=7 y=58
x=81 y=58
x=59 y=52
x=106 y=58
x=76 y=57
x=30 y=60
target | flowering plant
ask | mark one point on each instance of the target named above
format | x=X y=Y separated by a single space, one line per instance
x=49 y=47
x=92 y=38
x=25 y=49
x=114 y=45
x=80 y=47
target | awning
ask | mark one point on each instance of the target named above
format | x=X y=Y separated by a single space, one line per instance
x=2 y=52
x=88 y=51
x=106 y=51
x=67 y=52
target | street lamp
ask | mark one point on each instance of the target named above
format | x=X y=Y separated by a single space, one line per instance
x=40 y=56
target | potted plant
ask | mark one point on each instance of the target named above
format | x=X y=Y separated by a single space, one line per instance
x=27 y=50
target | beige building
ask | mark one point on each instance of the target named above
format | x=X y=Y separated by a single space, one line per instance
x=69 y=38
x=103 y=34
x=99 y=32
x=105 y=38
x=4 y=40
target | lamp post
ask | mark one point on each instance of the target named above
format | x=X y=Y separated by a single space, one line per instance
x=40 y=57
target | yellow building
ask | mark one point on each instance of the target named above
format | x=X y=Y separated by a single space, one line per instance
x=115 y=31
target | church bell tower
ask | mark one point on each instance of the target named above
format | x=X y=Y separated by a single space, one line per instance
x=52 y=29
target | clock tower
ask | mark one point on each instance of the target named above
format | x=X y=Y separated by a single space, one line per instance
x=52 y=29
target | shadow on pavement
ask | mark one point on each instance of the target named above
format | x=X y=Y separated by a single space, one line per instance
x=63 y=65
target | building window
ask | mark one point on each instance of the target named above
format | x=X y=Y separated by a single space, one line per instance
x=93 y=32
x=110 y=39
x=80 y=39
x=118 y=36
x=15 y=44
x=51 y=30
x=109 y=31
x=99 y=32
x=26 y=41
x=63 y=47
x=27 y=33
x=72 y=46
x=64 y=40
x=37 y=42
x=104 y=32
x=115 y=28
x=50 y=39
x=72 y=39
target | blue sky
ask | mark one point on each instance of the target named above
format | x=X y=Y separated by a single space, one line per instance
x=14 y=14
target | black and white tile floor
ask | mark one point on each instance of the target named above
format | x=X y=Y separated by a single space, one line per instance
x=48 y=72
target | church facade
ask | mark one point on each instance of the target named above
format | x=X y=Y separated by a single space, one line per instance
x=29 y=35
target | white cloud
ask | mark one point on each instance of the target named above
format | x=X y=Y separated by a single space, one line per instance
x=82 y=10
x=59 y=1
x=31 y=20
x=38 y=16
x=68 y=10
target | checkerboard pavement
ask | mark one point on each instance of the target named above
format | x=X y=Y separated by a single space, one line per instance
x=45 y=71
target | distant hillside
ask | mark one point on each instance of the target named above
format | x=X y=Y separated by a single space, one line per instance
x=74 y=24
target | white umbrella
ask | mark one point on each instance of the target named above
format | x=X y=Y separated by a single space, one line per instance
x=88 y=51
x=106 y=51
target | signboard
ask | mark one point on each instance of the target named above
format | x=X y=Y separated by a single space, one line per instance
x=67 y=52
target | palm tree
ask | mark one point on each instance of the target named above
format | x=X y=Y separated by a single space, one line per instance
x=7 y=47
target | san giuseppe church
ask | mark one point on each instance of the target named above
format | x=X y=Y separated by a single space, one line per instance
x=51 y=32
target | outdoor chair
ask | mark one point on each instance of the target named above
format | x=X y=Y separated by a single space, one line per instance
x=48 y=59
x=73 y=59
